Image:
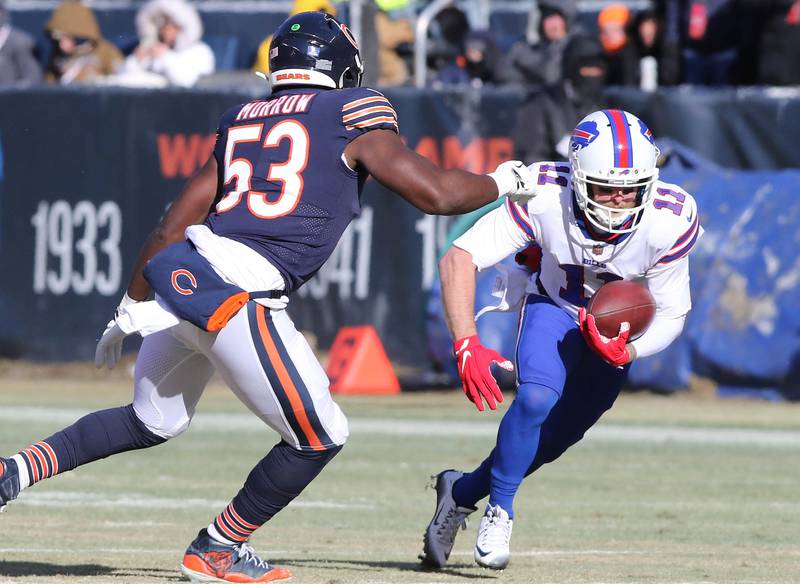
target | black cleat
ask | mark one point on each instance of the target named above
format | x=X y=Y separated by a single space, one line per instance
x=440 y=535
x=9 y=481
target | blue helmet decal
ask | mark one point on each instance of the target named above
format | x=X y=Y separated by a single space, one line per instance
x=583 y=135
x=647 y=133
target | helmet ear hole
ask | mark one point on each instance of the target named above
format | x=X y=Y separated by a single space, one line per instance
x=348 y=79
x=351 y=78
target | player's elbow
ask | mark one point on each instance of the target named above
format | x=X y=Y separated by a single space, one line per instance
x=455 y=260
x=442 y=198
x=437 y=202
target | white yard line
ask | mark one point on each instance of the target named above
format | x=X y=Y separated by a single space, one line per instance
x=238 y=423
x=541 y=553
x=90 y=551
x=84 y=499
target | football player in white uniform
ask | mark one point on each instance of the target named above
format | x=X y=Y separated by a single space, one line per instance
x=601 y=216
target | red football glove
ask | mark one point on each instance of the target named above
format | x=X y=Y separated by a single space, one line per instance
x=531 y=256
x=613 y=351
x=474 y=361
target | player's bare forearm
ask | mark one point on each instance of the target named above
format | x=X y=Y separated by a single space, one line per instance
x=190 y=208
x=139 y=288
x=457 y=273
x=631 y=352
x=416 y=179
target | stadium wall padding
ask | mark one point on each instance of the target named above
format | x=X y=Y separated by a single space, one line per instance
x=86 y=173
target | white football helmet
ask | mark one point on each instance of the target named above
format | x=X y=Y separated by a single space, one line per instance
x=613 y=147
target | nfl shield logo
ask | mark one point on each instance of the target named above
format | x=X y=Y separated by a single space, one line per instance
x=597 y=249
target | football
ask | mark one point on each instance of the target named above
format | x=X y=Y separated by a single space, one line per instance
x=621 y=301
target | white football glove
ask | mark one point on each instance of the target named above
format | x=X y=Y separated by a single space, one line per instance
x=109 y=346
x=514 y=179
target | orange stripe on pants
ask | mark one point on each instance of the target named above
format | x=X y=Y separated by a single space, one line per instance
x=286 y=381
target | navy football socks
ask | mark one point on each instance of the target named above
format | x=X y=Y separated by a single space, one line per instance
x=274 y=482
x=95 y=436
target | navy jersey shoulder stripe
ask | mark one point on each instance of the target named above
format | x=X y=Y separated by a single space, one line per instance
x=371 y=111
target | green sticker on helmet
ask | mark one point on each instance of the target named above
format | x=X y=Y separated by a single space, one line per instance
x=295 y=27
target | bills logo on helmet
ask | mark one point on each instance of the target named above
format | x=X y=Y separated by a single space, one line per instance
x=647 y=133
x=583 y=135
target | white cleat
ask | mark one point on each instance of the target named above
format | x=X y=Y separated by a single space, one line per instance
x=440 y=535
x=494 y=538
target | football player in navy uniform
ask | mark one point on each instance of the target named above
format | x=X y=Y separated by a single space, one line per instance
x=250 y=227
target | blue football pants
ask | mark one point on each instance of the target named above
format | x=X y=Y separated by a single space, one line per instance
x=563 y=387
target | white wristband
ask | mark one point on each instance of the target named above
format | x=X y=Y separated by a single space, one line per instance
x=126 y=301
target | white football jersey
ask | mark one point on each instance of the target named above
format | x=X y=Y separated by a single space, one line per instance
x=573 y=264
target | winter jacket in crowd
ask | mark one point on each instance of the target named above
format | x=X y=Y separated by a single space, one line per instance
x=17 y=63
x=547 y=117
x=392 y=33
x=181 y=64
x=537 y=60
x=93 y=58
x=775 y=44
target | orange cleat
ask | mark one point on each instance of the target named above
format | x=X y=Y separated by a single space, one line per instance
x=207 y=560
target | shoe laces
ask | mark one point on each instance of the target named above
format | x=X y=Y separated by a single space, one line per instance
x=497 y=531
x=451 y=522
x=249 y=556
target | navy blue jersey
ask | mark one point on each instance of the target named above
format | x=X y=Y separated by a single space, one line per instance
x=286 y=190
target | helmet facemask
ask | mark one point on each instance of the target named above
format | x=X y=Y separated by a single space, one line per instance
x=608 y=219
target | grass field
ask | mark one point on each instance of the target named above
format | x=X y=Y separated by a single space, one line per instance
x=683 y=489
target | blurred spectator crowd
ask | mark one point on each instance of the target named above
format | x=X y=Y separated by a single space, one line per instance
x=699 y=42
x=168 y=49
x=566 y=53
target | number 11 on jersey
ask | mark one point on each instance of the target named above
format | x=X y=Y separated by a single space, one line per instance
x=574 y=290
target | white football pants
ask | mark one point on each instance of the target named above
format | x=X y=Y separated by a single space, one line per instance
x=261 y=356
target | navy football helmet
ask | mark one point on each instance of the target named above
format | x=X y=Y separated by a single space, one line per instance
x=313 y=48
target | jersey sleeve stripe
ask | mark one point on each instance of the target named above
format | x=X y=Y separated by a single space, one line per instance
x=520 y=219
x=373 y=122
x=369 y=110
x=365 y=101
x=682 y=251
x=682 y=239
